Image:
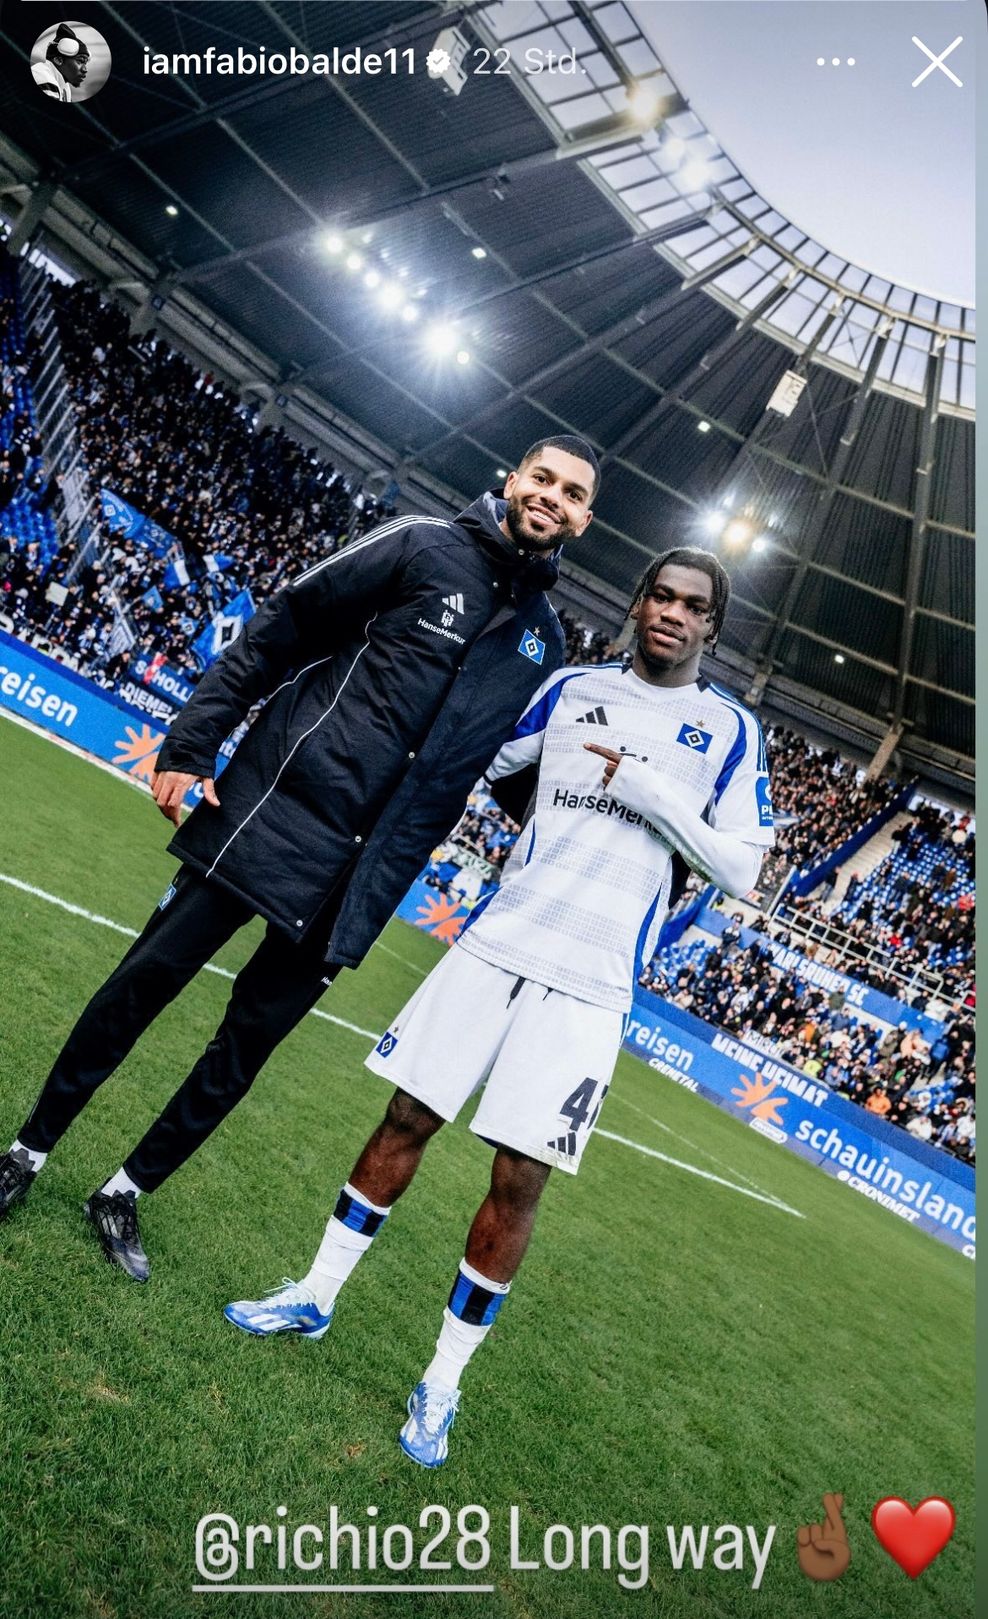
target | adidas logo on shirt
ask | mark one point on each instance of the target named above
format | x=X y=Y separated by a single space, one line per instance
x=455 y=601
x=596 y=716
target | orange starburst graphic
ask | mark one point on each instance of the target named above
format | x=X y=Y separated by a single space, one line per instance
x=759 y=1098
x=139 y=754
x=442 y=918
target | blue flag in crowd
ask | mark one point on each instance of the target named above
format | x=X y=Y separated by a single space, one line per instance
x=122 y=518
x=176 y=574
x=153 y=598
x=224 y=628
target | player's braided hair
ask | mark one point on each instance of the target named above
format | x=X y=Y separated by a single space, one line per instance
x=689 y=556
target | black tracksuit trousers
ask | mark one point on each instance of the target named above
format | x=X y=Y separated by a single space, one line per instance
x=272 y=993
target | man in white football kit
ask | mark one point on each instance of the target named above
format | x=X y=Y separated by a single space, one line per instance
x=639 y=770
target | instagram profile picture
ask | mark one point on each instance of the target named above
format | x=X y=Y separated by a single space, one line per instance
x=70 y=62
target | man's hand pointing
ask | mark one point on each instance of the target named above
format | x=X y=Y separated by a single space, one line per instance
x=613 y=759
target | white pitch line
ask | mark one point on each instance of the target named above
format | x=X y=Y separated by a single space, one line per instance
x=423 y=972
x=131 y=933
x=704 y=1174
x=368 y=1034
x=693 y=1145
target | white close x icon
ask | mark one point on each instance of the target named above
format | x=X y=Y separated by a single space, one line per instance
x=938 y=61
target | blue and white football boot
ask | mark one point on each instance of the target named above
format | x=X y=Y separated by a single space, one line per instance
x=425 y=1436
x=289 y=1308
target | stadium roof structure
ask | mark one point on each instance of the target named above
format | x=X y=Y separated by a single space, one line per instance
x=609 y=271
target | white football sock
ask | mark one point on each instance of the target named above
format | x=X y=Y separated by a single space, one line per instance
x=459 y=1338
x=343 y=1244
x=37 y=1158
x=121 y=1182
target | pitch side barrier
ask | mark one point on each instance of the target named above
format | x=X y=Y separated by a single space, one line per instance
x=40 y=689
x=919 y=1183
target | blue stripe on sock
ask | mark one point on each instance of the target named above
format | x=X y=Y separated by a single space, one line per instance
x=476 y=1305
x=357 y=1216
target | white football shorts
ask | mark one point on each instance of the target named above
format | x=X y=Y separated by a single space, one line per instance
x=545 y=1059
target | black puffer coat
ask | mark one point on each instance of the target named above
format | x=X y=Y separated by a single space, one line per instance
x=393 y=671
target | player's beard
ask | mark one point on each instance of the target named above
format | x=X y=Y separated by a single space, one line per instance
x=514 y=516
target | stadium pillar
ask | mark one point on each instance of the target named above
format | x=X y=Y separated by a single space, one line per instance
x=157 y=297
x=268 y=399
x=271 y=413
x=756 y=690
x=884 y=752
x=32 y=215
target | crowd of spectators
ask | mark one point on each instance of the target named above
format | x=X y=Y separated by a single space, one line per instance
x=244 y=507
x=487 y=832
x=928 y=1089
x=819 y=797
x=916 y=908
x=24 y=485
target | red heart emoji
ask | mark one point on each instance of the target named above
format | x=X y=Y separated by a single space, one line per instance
x=913 y=1536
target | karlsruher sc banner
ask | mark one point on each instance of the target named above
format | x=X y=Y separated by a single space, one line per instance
x=869 y=1000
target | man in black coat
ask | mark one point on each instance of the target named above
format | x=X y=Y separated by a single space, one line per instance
x=391 y=672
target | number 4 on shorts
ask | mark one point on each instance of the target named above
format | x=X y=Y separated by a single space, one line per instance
x=577 y=1107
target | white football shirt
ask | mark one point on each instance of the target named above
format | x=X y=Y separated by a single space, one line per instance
x=585 y=891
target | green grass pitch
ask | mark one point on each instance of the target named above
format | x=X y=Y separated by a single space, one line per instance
x=674 y=1351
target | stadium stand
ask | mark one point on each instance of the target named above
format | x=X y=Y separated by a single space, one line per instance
x=926 y=1088
x=921 y=898
x=245 y=509
x=27 y=528
x=825 y=795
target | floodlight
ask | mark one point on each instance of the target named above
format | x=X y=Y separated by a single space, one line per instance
x=354 y=261
x=714 y=523
x=703 y=427
x=463 y=356
x=644 y=102
x=696 y=174
x=171 y=210
x=390 y=295
x=440 y=339
x=372 y=278
x=838 y=657
x=409 y=313
x=739 y=531
x=334 y=244
x=479 y=252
